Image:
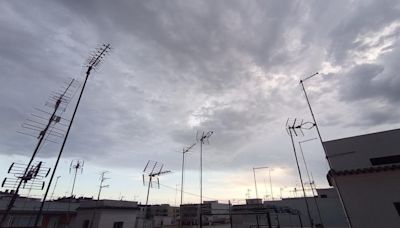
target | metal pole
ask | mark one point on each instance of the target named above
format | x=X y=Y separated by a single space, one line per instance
x=55 y=185
x=148 y=190
x=309 y=179
x=255 y=182
x=301 y=180
x=73 y=184
x=183 y=167
x=201 y=181
x=230 y=214
x=323 y=146
x=41 y=137
x=270 y=183
x=62 y=147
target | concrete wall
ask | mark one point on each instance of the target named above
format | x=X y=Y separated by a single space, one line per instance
x=369 y=198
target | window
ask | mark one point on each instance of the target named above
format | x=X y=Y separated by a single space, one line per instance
x=385 y=160
x=85 y=224
x=118 y=225
x=397 y=206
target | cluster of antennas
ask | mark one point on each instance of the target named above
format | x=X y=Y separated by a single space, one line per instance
x=31 y=179
x=97 y=56
x=296 y=126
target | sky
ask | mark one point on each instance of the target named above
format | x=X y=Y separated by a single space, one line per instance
x=181 y=67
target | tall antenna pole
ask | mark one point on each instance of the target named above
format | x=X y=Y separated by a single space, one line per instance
x=309 y=179
x=255 y=182
x=55 y=185
x=323 y=146
x=204 y=137
x=184 y=151
x=254 y=174
x=92 y=64
x=301 y=179
x=41 y=137
x=270 y=183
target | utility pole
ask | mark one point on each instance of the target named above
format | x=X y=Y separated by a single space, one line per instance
x=101 y=186
x=322 y=143
x=92 y=64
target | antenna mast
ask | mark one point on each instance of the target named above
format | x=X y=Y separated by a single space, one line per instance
x=45 y=129
x=92 y=63
x=184 y=151
x=293 y=128
x=101 y=186
x=204 y=138
x=153 y=170
x=320 y=139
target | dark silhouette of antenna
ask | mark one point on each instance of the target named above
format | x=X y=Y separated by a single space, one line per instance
x=76 y=167
x=153 y=170
x=42 y=130
x=323 y=146
x=295 y=128
x=184 y=151
x=32 y=180
x=204 y=138
x=92 y=63
x=101 y=186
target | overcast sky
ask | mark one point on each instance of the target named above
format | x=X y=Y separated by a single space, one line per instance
x=178 y=67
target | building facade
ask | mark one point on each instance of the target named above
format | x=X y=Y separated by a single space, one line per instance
x=365 y=170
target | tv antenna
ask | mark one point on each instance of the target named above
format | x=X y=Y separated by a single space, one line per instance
x=102 y=179
x=204 y=138
x=42 y=126
x=296 y=127
x=75 y=167
x=323 y=146
x=153 y=170
x=92 y=63
x=32 y=180
x=184 y=151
